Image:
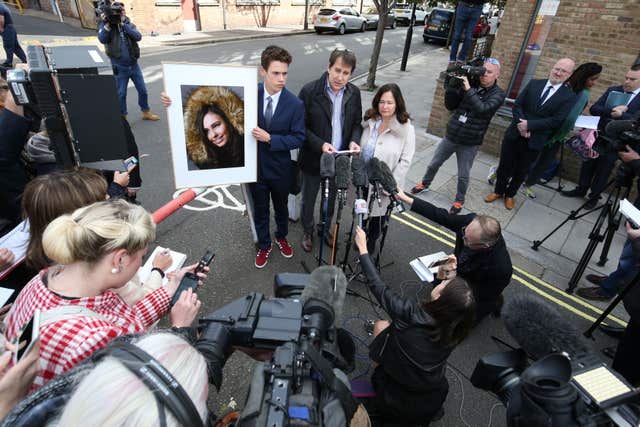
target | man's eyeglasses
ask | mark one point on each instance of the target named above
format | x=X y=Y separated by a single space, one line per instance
x=4 y=87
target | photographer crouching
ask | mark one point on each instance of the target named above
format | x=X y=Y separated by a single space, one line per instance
x=411 y=351
x=120 y=37
x=474 y=97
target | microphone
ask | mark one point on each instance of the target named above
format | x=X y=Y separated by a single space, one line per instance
x=360 y=181
x=375 y=177
x=390 y=185
x=342 y=172
x=327 y=166
x=616 y=128
x=539 y=329
x=328 y=284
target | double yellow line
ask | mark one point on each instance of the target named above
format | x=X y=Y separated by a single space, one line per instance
x=546 y=290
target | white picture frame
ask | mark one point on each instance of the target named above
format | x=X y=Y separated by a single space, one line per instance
x=231 y=89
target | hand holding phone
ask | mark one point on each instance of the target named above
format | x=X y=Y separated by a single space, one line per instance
x=190 y=280
x=27 y=337
x=130 y=163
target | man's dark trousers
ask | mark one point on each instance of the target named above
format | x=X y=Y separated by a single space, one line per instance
x=11 y=46
x=278 y=191
x=515 y=161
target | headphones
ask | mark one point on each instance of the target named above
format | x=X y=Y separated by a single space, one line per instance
x=166 y=389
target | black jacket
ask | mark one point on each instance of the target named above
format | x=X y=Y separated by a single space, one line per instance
x=488 y=271
x=543 y=121
x=478 y=105
x=318 y=110
x=599 y=108
x=410 y=380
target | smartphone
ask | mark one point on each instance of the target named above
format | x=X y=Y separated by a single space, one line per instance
x=27 y=337
x=439 y=262
x=129 y=162
x=190 y=280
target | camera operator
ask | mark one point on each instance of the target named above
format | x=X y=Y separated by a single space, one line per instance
x=607 y=286
x=481 y=253
x=120 y=37
x=14 y=129
x=594 y=173
x=473 y=107
x=411 y=351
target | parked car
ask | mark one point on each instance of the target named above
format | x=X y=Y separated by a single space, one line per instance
x=403 y=14
x=439 y=24
x=339 y=20
x=372 y=18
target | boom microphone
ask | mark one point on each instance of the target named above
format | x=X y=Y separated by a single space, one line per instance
x=327 y=166
x=373 y=171
x=358 y=172
x=328 y=284
x=539 y=329
x=342 y=172
x=390 y=185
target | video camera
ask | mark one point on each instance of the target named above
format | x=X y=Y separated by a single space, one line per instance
x=303 y=384
x=110 y=13
x=473 y=70
x=567 y=386
x=617 y=135
x=61 y=87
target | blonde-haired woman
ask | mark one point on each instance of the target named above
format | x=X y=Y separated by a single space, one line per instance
x=96 y=248
x=390 y=137
x=107 y=380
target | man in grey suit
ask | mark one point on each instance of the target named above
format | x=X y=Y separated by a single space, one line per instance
x=539 y=110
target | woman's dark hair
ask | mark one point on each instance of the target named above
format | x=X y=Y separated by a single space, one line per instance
x=401 y=109
x=454 y=313
x=232 y=154
x=578 y=80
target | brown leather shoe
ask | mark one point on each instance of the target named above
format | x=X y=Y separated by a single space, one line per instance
x=148 y=115
x=307 y=242
x=509 y=203
x=492 y=197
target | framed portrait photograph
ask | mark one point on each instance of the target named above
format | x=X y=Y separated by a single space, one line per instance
x=213 y=109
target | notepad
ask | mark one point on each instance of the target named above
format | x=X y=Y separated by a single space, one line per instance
x=16 y=241
x=177 y=258
x=630 y=212
x=427 y=266
x=616 y=98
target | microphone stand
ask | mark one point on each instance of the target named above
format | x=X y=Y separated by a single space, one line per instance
x=349 y=240
x=385 y=228
x=325 y=219
x=336 y=226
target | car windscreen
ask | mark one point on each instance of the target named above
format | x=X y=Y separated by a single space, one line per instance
x=439 y=17
x=372 y=11
x=326 y=12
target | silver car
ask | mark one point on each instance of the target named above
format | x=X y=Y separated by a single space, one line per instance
x=339 y=20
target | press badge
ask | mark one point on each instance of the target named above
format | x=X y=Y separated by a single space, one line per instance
x=462 y=119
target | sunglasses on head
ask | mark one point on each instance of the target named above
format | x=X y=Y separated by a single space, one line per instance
x=493 y=61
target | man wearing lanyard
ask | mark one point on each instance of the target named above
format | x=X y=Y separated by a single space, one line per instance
x=333 y=117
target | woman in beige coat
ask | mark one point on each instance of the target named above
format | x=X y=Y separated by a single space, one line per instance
x=390 y=137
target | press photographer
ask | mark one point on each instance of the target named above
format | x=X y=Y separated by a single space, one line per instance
x=120 y=37
x=474 y=96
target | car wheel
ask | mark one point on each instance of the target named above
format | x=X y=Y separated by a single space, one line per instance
x=318 y=31
x=342 y=29
x=393 y=25
x=364 y=27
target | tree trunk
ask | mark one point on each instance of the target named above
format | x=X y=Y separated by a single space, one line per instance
x=375 y=54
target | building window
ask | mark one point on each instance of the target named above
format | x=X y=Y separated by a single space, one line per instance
x=167 y=2
x=257 y=2
x=343 y=3
x=208 y=2
x=530 y=53
x=311 y=2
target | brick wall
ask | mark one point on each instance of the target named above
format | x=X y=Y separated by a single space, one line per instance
x=587 y=31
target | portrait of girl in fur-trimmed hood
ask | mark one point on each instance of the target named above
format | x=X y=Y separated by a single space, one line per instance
x=214 y=128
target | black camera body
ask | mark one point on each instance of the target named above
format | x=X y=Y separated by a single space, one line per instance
x=471 y=71
x=112 y=12
x=617 y=135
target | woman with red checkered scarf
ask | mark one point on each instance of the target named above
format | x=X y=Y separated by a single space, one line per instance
x=96 y=248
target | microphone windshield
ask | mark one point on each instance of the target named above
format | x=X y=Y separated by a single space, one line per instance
x=616 y=127
x=373 y=170
x=342 y=172
x=540 y=329
x=359 y=174
x=328 y=284
x=388 y=180
x=327 y=165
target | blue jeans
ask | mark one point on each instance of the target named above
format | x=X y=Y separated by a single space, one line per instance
x=11 y=46
x=123 y=73
x=627 y=269
x=466 y=20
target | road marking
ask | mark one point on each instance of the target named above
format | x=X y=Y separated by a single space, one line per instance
x=519 y=275
x=221 y=193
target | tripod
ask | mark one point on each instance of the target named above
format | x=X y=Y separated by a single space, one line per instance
x=385 y=228
x=589 y=332
x=559 y=187
x=336 y=227
x=607 y=213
